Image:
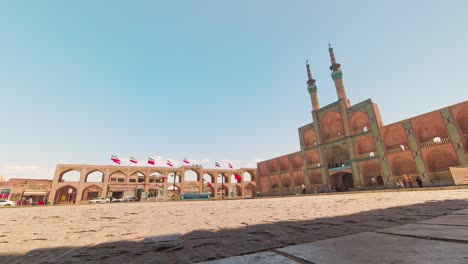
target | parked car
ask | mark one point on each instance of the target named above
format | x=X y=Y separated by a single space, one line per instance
x=7 y=203
x=114 y=200
x=130 y=199
x=100 y=200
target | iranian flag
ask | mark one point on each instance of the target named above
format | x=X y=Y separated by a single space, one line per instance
x=230 y=165
x=169 y=163
x=217 y=165
x=151 y=161
x=115 y=159
x=186 y=161
x=133 y=160
x=237 y=177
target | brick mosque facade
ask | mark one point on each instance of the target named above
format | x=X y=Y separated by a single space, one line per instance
x=347 y=145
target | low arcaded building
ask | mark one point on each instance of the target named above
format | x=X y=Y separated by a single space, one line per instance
x=349 y=145
x=81 y=183
x=23 y=189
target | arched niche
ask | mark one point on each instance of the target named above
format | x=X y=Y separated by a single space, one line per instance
x=315 y=177
x=359 y=120
x=365 y=145
x=285 y=180
x=394 y=137
x=309 y=137
x=312 y=157
x=263 y=168
x=250 y=190
x=284 y=163
x=331 y=125
x=370 y=170
x=336 y=156
x=299 y=178
x=70 y=176
x=403 y=166
x=439 y=160
x=297 y=161
x=273 y=166
x=462 y=121
x=95 y=176
x=429 y=128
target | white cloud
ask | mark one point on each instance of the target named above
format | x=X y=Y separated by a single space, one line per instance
x=27 y=171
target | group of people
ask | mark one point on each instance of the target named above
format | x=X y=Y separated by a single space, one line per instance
x=407 y=181
x=29 y=201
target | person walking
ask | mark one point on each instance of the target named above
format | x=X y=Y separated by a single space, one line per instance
x=405 y=182
x=419 y=181
x=410 y=181
x=373 y=181
x=303 y=189
x=30 y=201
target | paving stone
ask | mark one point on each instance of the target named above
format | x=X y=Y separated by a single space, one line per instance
x=370 y=247
x=165 y=243
x=461 y=212
x=257 y=258
x=456 y=233
x=460 y=220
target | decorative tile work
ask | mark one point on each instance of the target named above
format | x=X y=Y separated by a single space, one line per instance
x=415 y=149
x=457 y=140
x=380 y=146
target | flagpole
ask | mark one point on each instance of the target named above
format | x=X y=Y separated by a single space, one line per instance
x=222 y=185
x=175 y=174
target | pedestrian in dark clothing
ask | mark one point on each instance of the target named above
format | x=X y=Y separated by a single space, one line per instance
x=419 y=181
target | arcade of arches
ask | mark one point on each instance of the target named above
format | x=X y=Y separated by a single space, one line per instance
x=81 y=183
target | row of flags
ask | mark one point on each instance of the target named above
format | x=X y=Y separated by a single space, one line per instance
x=152 y=161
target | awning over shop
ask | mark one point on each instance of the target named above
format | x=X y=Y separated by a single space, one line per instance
x=34 y=193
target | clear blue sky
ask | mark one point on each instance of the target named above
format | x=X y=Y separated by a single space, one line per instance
x=209 y=80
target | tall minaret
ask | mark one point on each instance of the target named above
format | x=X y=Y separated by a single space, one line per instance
x=312 y=88
x=337 y=76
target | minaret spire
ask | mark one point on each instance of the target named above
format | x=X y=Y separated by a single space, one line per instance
x=337 y=76
x=312 y=88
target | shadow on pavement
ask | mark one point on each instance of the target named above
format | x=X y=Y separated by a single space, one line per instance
x=202 y=245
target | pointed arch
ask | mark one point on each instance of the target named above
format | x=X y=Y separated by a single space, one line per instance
x=157 y=177
x=439 y=160
x=94 y=176
x=309 y=137
x=71 y=175
x=118 y=177
x=220 y=176
x=250 y=190
x=191 y=176
x=358 y=121
x=91 y=192
x=63 y=195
